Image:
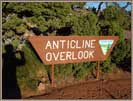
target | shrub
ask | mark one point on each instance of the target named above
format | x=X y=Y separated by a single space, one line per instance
x=121 y=52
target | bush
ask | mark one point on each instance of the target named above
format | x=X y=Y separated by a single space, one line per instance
x=85 y=24
x=117 y=14
x=63 y=71
x=21 y=29
x=9 y=34
x=32 y=83
x=81 y=70
x=29 y=74
x=107 y=66
x=121 y=51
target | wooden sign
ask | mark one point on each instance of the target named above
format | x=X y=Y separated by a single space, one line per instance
x=72 y=49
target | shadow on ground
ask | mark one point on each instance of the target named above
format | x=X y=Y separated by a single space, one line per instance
x=10 y=88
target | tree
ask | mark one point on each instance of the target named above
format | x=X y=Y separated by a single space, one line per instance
x=12 y=23
x=114 y=22
x=121 y=52
x=119 y=15
x=124 y=7
x=99 y=8
x=85 y=24
x=43 y=15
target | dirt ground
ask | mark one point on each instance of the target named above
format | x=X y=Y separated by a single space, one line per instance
x=118 y=88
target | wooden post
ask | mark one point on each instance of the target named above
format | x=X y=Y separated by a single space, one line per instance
x=52 y=74
x=98 y=70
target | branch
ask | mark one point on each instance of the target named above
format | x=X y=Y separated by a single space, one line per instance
x=128 y=3
x=99 y=8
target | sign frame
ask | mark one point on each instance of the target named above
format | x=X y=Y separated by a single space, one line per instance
x=35 y=41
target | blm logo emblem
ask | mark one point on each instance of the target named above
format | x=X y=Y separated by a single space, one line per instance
x=105 y=45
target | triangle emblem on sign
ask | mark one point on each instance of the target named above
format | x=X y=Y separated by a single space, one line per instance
x=105 y=45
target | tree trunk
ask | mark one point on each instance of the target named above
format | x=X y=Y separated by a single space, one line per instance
x=128 y=3
x=99 y=8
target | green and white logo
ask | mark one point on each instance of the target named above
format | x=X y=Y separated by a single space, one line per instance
x=105 y=45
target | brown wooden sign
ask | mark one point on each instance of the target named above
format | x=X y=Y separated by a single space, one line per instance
x=72 y=49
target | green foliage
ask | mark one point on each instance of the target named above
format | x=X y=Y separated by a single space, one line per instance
x=21 y=29
x=106 y=69
x=106 y=66
x=116 y=30
x=30 y=73
x=103 y=23
x=110 y=25
x=32 y=83
x=114 y=23
x=85 y=24
x=80 y=70
x=56 y=15
x=38 y=22
x=79 y=4
x=121 y=51
x=114 y=13
x=81 y=73
x=12 y=22
x=15 y=42
x=9 y=34
x=63 y=70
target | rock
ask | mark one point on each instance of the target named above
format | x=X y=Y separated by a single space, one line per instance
x=41 y=87
x=20 y=46
x=43 y=79
x=26 y=35
x=8 y=41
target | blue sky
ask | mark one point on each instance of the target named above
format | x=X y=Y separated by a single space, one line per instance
x=95 y=4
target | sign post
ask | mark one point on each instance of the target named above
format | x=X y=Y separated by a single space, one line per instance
x=73 y=49
x=52 y=73
x=98 y=70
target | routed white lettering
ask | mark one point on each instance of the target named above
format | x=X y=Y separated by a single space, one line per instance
x=55 y=44
x=62 y=43
x=91 y=54
x=80 y=55
x=87 y=44
x=77 y=44
x=56 y=56
x=73 y=56
x=92 y=43
x=48 y=45
x=68 y=55
x=85 y=54
x=48 y=56
x=72 y=44
x=62 y=58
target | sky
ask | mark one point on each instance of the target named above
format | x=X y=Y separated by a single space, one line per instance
x=95 y=4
